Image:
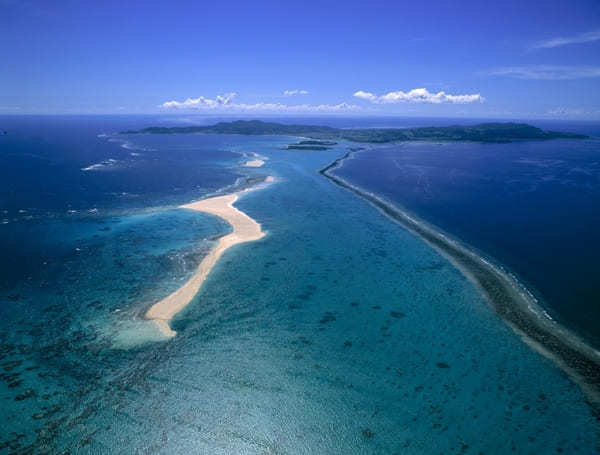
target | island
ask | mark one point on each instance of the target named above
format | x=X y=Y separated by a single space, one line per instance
x=484 y=132
x=311 y=145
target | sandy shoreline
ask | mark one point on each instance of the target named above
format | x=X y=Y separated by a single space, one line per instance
x=245 y=229
x=254 y=163
x=580 y=361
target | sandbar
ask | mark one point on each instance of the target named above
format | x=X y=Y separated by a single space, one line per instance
x=245 y=229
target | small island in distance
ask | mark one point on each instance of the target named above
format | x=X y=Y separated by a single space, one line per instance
x=311 y=145
x=484 y=132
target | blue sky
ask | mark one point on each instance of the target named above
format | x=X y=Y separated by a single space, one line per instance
x=508 y=59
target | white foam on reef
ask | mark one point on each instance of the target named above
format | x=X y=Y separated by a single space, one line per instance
x=128 y=145
x=110 y=163
x=258 y=156
x=231 y=188
x=124 y=143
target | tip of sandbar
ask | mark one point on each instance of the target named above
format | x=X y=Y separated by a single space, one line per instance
x=164 y=328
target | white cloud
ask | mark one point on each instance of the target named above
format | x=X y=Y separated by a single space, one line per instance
x=547 y=72
x=202 y=102
x=295 y=92
x=365 y=96
x=225 y=103
x=588 y=37
x=418 y=95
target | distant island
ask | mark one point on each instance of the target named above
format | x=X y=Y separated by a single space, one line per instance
x=484 y=132
x=311 y=145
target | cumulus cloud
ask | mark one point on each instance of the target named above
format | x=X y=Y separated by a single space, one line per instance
x=225 y=103
x=418 y=95
x=588 y=37
x=546 y=72
x=295 y=92
x=365 y=96
x=202 y=102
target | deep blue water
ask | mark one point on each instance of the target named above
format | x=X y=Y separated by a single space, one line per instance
x=43 y=158
x=533 y=206
x=65 y=171
x=337 y=333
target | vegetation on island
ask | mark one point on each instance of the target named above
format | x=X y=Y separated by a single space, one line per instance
x=306 y=147
x=311 y=145
x=484 y=132
x=317 y=143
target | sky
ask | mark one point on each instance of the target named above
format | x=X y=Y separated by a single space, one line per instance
x=507 y=59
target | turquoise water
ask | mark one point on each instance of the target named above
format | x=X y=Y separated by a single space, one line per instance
x=337 y=333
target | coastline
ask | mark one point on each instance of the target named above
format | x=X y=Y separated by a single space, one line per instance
x=245 y=229
x=507 y=297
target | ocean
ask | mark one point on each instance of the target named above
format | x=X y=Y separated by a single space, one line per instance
x=339 y=332
x=531 y=206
